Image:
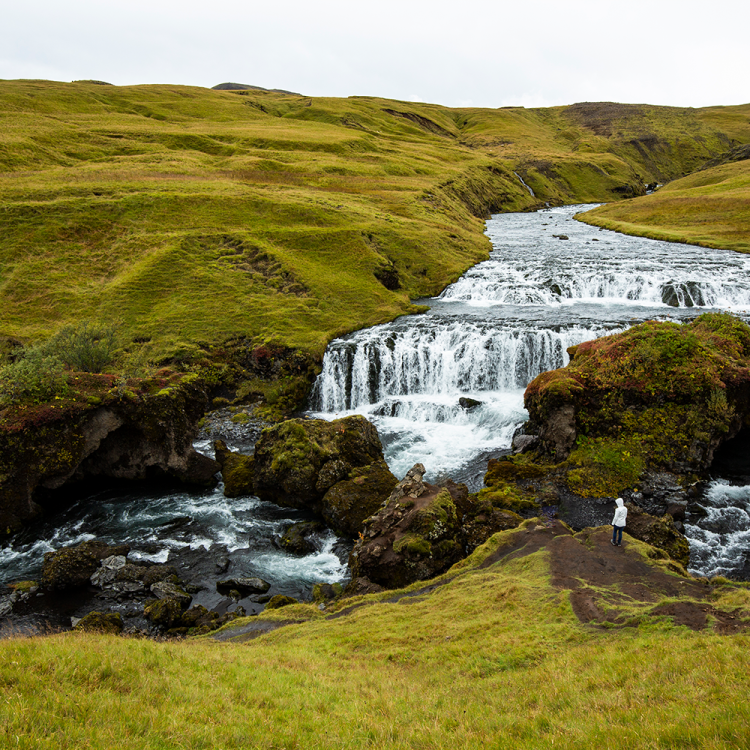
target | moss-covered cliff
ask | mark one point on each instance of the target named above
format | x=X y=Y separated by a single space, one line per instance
x=658 y=396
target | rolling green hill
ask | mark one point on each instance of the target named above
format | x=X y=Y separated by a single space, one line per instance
x=192 y=216
x=709 y=208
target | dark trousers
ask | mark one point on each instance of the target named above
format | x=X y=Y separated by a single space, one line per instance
x=617 y=534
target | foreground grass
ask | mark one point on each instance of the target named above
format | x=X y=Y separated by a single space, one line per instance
x=709 y=208
x=495 y=658
x=190 y=216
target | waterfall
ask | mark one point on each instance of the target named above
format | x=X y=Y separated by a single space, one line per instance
x=438 y=358
x=520 y=179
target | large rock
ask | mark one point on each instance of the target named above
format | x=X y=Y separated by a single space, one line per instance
x=237 y=470
x=349 y=502
x=123 y=435
x=659 y=396
x=73 y=567
x=101 y=622
x=298 y=538
x=422 y=531
x=245 y=585
x=291 y=457
x=336 y=469
x=658 y=532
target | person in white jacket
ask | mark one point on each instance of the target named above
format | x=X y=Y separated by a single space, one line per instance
x=621 y=513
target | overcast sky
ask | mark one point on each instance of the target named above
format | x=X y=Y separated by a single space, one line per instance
x=460 y=53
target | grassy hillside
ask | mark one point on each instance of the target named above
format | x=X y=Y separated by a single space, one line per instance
x=709 y=208
x=497 y=653
x=191 y=216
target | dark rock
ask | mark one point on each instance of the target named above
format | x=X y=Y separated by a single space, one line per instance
x=157 y=573
x=199 y=620
x=414 y=537
x=558 y=432
x=163 y=612
x=523 y=443
x=658 y=532
x=336 y=469
x=561 y=236
x=243 y=585
x=361 y=586
x=290 y=456
x=349 y=502
x=323 y=592
x=222 y=565
x=278 y=601
x=130 y=436
x=131 y=573
x=72 y=567
x=332 y=472
x=468 y=403
x=297 y=539
x=167 y=590
x=421 y=531
x=101 y=622
x=236 y=470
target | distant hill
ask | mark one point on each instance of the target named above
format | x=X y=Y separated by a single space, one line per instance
x=248 y=87
x=194 y=216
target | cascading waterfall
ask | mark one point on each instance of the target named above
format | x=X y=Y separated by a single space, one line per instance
x=550 y=283
x=437 y=358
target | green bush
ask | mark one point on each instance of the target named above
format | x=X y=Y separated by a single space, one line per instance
x=84 y=347
x=36 y=377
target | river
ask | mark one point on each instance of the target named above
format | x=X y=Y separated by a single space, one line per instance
x=550 y=282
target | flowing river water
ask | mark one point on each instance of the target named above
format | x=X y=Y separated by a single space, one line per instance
x=550 y=282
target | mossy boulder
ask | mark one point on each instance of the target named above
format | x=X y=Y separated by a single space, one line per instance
x=278 y=601
x=336 y=469
x=101 y=622
x=72 y=567
x=237 y=470
x=420 y=532
x=347 y=504
x=325 y=592
x=659 y=396
x=166 y=613
x=298 y=538
x=198 y=620
x=658 y=532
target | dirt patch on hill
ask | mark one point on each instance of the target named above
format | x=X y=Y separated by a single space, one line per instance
x=615 y=584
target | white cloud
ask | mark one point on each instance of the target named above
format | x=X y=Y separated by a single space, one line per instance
x=488 y=53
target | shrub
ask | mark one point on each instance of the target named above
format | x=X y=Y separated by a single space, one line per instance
x=85 y=347
x=36 y=377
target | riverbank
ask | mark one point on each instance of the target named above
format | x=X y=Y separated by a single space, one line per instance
x=710 y=208
x=495 y=656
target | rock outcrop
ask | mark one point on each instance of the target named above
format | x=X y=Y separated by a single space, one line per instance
x=422 y=531
x=658 y=532
x=335 y=469
x=124 y=435
x=237 y=470
x=73 y=567
x=666 y=394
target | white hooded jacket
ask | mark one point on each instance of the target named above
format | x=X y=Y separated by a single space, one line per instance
x=621 y=513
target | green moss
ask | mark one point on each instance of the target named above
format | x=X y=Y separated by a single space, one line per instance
x=278 y=601
x=241 y=418
x=604 y=468
x=508 y=497
x=413 y=544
